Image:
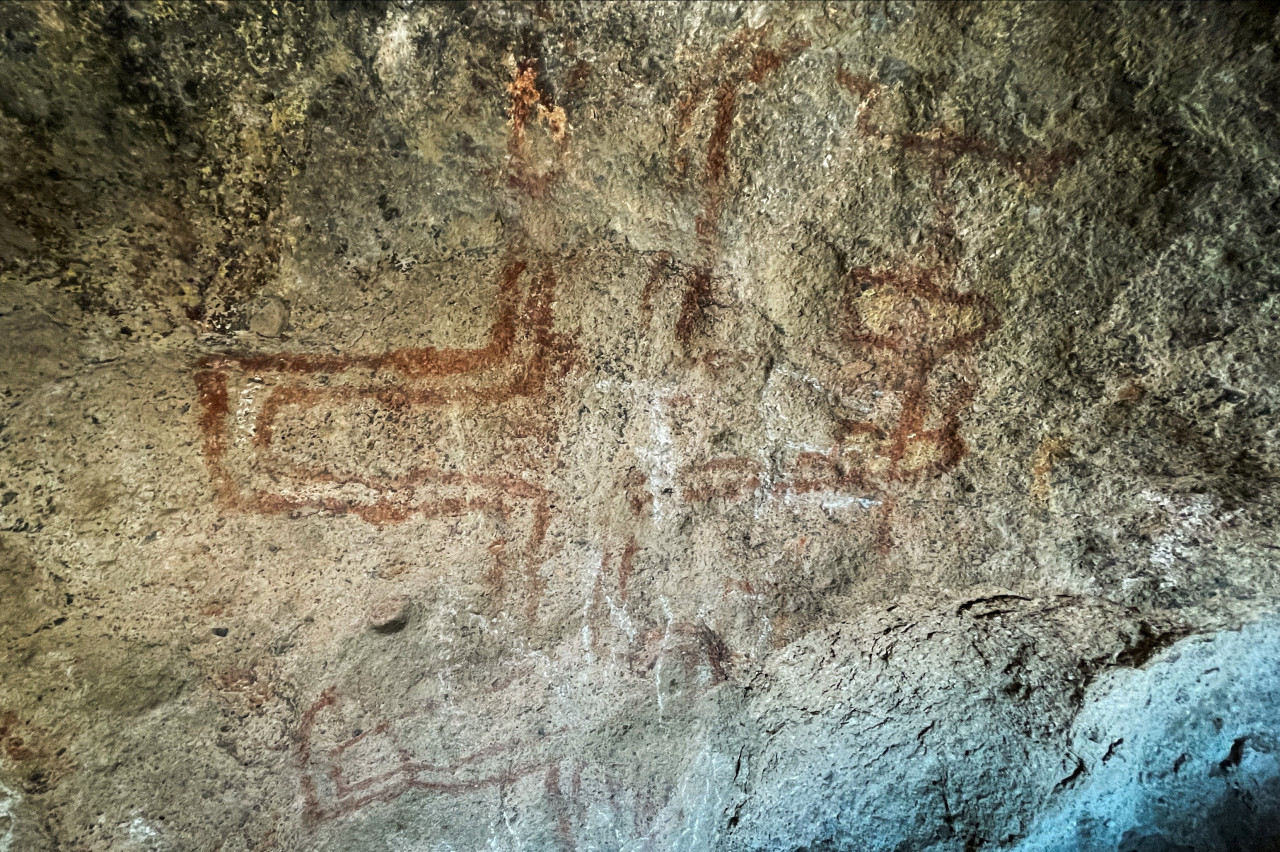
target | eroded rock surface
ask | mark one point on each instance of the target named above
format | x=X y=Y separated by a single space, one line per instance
x=627 y=425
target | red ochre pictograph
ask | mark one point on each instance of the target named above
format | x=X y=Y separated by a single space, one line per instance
x=745 y=60
x=346 y=769
x=908 y=320
x=422 y=432
x=905 y=323
x=901 y=324
x=415 y=432
x=530 y=104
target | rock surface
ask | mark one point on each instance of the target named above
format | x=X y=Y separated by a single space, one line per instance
x=638 y=426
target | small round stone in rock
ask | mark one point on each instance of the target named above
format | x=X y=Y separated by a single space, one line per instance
x=270 y=316
x=220 y=631
x=389 y=615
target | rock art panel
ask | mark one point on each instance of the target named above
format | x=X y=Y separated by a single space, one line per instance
x=411 y=432
x=449 y=431
x=250 y=401
x=616 y=426
x=746 y=60
x=358 y=755
x=907 y=331
x=903 y=323
x=345 y=775
x=702 y=136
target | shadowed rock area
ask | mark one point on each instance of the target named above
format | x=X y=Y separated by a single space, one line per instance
x=639 y=426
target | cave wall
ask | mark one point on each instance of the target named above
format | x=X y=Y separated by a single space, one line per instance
x=639 y=426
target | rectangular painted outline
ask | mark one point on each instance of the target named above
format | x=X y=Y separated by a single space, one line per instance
x=512 y=363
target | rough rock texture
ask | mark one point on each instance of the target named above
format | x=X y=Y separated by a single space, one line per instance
x=639 y=426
